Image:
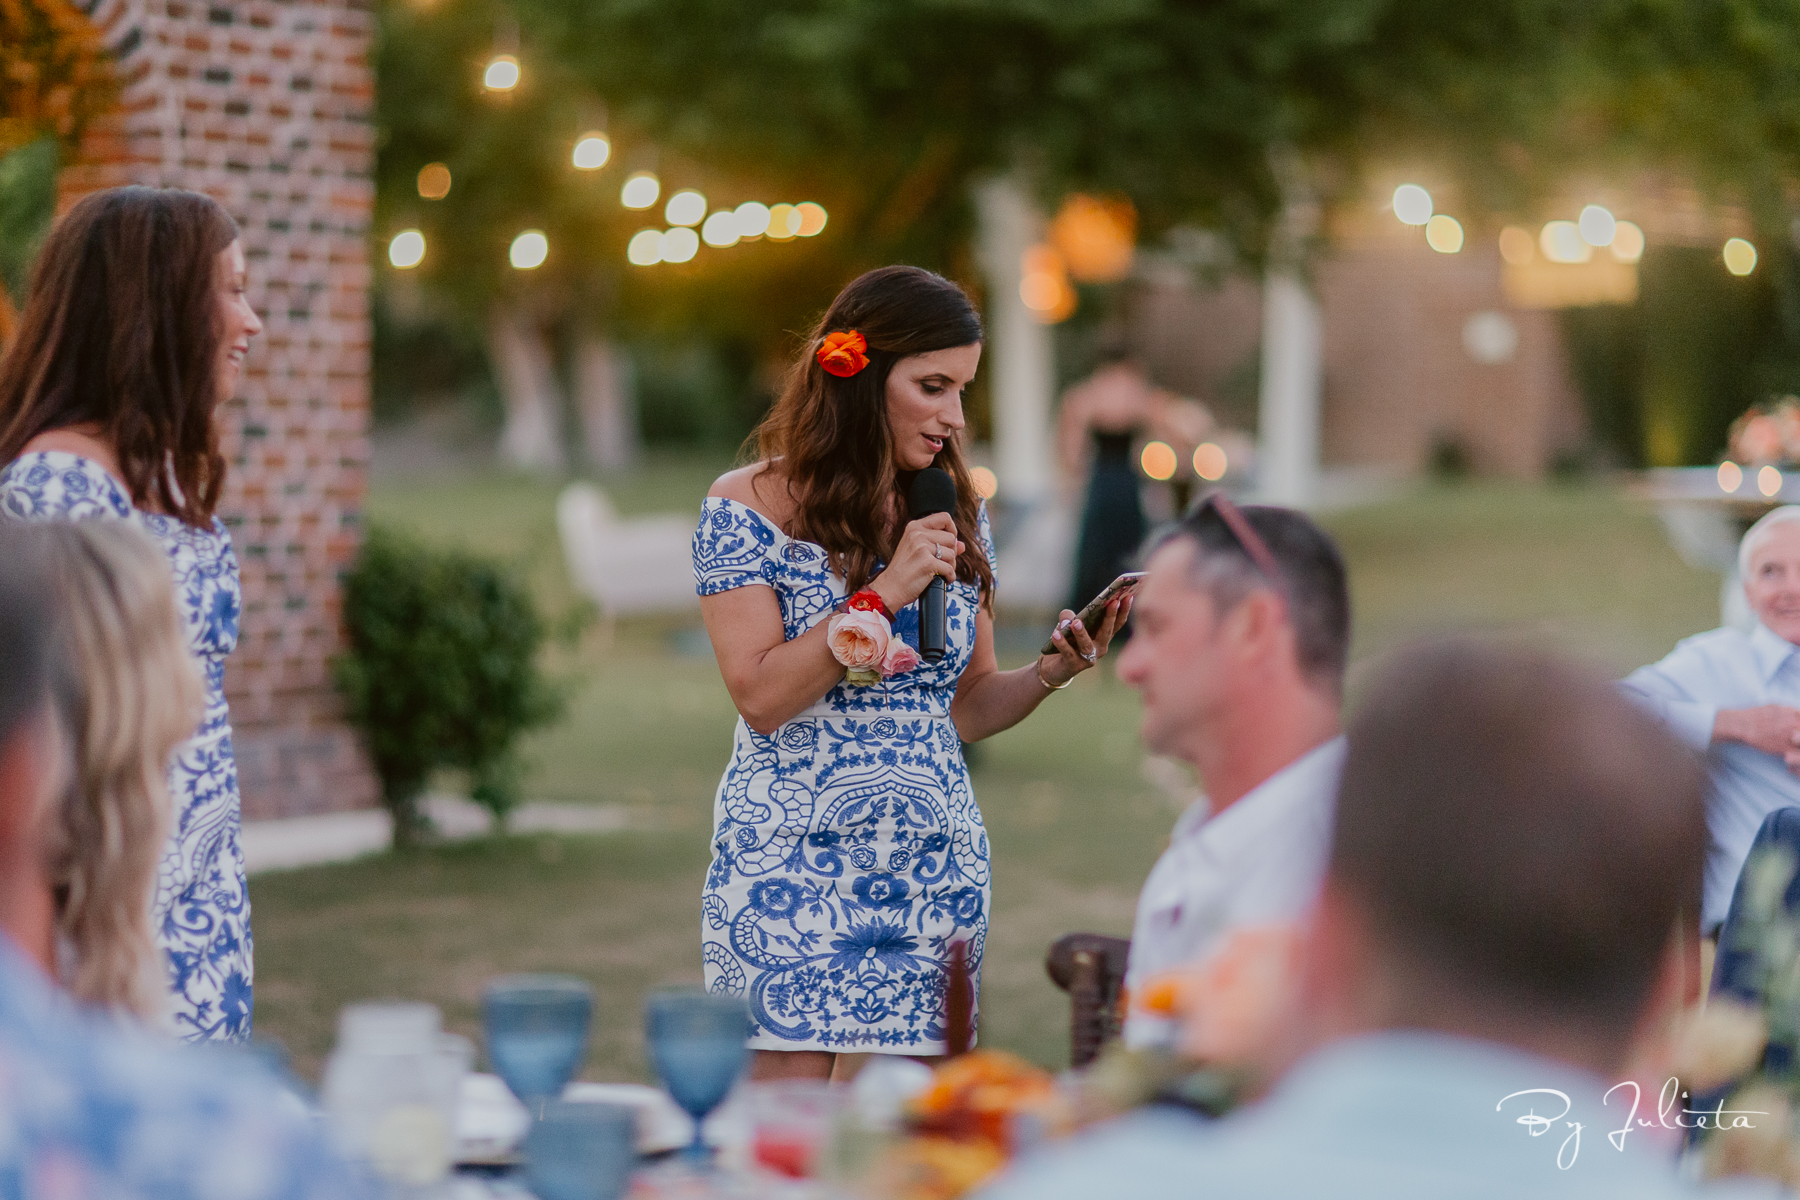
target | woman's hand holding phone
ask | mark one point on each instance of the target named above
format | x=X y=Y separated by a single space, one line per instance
x=1076 y=646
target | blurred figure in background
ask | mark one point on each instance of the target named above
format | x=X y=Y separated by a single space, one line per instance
x=1514 y=842
x=1101 y=418
x=1243 y=632
x=135 y=696
x=90 y=1107
x=1735 y=697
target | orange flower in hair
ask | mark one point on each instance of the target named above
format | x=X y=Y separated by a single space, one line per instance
x=842 y=354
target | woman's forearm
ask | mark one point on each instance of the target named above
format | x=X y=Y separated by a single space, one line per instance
x=997 y=701
x=785 y=680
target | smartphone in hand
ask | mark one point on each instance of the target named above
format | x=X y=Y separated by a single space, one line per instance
x=1124 y=585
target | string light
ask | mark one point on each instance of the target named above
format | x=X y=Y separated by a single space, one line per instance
x=1597 y=226
x=987 y=484
x=1740 y=259
x=680 y=244
x=1444 y=234
x=686 y=207
x=1159 y=460
x=640 y=191
x=1517 y=246
x=1562 y=242
x=591 y=152
x=1731 y=476
x=529 y=250
x=752 y=219
x=721 y=229
x=502 y=74
x=645 y=248
x=1412 y=204
x=434 y=181
x=784 y=223
x=407 y=250
x=1210 y=462
x=1628 y=242
x=1768 y=481
x=812 y=218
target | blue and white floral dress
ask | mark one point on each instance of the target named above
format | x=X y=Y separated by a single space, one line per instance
x=848 y=853
x=202 y=906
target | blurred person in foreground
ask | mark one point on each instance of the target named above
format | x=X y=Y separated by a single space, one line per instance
x=1735 y=697
x=136 y=695
x=89 y=1107
x=1243 y=630
x=1491 y=946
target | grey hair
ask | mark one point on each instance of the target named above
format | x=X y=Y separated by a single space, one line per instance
x=1759 y=532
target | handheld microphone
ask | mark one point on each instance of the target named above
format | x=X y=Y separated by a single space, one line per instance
x=933 y=491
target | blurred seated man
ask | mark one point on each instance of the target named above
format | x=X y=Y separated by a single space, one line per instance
x=1735 y=697
x=88 y=1107
x=1514 y=841
x=1243 y=629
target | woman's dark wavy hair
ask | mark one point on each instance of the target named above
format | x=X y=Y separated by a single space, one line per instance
x=833 y=437
x=121 y=329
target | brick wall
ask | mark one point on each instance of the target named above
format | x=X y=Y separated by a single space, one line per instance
x=266 y=105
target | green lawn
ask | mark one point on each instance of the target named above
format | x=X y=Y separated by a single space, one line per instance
x=1074 y=822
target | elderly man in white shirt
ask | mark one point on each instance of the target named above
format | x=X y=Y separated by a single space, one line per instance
x=1735 y=697
x=1241 y=633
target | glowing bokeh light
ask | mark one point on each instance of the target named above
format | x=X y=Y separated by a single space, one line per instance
x=1561 y=242
x=407 y=250
x=987 y=484
x=680 y=244
x=1517 y=246
x=502 y=74
x=812 y=218
x=645 y=249
x=640 y=191
x=1412 y=204
x=1444 y=234
x=686 y=207
x=721 y=229
x=1628 y=242
x=1210 y=462
x=1740 y=259
x=752 y=219
x=591 y=152
x=1597 y=226
x=1159 y=460
x=784 y=222
x=1768 y=481
x=1731 y=476
x=529 y=250
x=434 y=181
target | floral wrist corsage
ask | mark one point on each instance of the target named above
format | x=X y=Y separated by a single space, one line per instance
x=862 y=638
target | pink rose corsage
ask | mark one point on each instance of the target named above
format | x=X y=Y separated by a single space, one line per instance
x=862 y=638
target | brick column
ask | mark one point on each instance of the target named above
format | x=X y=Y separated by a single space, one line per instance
x=267 y=106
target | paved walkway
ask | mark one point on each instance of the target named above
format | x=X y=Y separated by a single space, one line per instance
x=340 y=837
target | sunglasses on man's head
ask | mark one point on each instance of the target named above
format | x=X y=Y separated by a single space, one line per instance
x=1240 y=528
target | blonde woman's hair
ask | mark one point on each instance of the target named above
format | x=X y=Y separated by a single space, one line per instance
x=136 y=695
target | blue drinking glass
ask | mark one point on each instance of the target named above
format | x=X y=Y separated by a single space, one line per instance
x=698 y=1042
x=580 y=1151
x=537 y=1032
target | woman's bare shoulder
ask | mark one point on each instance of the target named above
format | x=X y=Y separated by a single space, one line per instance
x=79 y=442
x=760 y=486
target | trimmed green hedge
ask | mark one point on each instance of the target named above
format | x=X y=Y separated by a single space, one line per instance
x=442 y=671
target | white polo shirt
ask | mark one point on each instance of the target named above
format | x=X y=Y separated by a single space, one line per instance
x=1259 y=862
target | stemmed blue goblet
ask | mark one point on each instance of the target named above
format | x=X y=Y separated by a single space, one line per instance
x=698 y=1042
x=537 y=1033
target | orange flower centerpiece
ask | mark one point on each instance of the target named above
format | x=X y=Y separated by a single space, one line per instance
x=981 y=1109
x=843 y=354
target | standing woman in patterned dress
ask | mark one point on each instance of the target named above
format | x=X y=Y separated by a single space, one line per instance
x=132 y=336
x=848 y=853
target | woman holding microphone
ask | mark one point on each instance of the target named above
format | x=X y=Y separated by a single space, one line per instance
x=848 y=853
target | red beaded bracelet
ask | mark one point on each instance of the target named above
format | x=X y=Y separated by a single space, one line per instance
x=869 y=600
